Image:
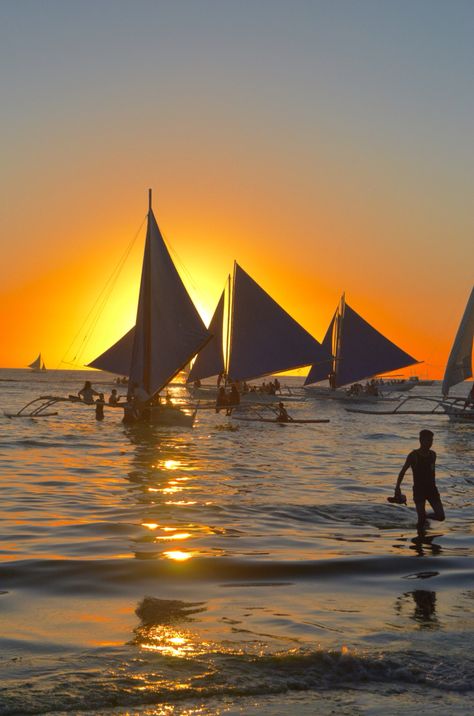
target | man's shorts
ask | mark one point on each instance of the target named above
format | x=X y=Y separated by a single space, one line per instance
x=422 y=493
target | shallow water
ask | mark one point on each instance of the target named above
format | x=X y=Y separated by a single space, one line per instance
x=230 y=568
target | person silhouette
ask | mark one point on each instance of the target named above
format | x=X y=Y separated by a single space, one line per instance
x=422 y=462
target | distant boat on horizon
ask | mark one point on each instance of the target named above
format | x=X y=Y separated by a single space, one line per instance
x=38 y=364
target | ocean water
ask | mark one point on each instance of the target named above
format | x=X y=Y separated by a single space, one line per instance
x=232 y=568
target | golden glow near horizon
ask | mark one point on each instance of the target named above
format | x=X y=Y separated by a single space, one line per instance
x=365 y=191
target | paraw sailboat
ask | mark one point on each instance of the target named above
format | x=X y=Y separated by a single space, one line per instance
x=253 y=336
x=358 y=351
x=458 y=369
x=38 y=364
x=168 y=331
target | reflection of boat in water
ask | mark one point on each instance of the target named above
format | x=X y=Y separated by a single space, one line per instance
x=168 y=332
x=38 y=364
x=357 y=351
x=458 y=369
x=253 y=336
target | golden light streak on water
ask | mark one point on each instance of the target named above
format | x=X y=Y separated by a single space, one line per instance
x=150 y=525
x=171 y=464
x=178 y=555
x=178 y=535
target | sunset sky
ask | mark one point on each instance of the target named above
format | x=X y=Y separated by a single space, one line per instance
x=327 y=146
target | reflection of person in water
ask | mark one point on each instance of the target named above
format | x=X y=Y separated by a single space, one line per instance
x=425 y=607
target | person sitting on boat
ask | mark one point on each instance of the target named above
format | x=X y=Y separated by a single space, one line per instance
x=470 y=397
x=140 y=399
x=277 y=385
x=113 y=397
x=197 y=383
x=422 y=463
x=220 y=378
x=168 y=400
x=282 y=415
x=87 y=393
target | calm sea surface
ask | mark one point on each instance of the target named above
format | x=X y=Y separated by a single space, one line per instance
x=232 y=568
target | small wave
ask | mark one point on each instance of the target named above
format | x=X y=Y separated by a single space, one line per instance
x=140 y=679
x=102 y=575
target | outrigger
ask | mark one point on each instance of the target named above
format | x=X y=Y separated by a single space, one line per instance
x=454 y=408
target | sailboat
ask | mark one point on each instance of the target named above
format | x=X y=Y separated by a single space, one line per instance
x=458 y=369
x=168 y=331
x=38 y=364
x=253 y=336
x=358 y=351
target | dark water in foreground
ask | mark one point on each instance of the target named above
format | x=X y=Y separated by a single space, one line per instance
x=232 y=568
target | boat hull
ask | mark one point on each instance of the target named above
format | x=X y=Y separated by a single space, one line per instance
x=162 y=415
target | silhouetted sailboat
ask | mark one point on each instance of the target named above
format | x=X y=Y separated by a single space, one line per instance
x=358 y=351
x=38 y=364
x=458 y=369
x=168 y=331
x=255 y=337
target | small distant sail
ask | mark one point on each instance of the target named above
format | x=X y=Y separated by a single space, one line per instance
x=210 y=361
x=364 y=352
x=36 y=365
x=459 y=365
x=43 y=367
x=264 y=338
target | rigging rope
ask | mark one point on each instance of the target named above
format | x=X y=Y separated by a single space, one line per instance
x=90 y=322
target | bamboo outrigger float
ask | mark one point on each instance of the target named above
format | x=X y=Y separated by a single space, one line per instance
x=455 y=408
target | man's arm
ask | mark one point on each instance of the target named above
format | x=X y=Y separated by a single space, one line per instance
x=402 y=473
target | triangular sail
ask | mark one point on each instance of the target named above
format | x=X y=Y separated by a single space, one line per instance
x=168 y=331
x=264 y=337
x=36 y=365
x=459 y=365
x=210 y=361
x=320 y=371
x=364 y=352
x=117 y=359
x=43 y=367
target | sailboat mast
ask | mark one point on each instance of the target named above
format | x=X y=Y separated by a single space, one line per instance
x=338 y=338
x=228 y=340
x=147 y=305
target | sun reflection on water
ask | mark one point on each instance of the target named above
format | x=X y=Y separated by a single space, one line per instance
x=178 y=555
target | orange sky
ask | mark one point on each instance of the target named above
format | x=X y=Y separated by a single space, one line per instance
x=325 y=158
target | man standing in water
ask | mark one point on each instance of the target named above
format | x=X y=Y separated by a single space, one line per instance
x=422 y=463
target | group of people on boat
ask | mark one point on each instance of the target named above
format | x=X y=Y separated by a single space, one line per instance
x=136 y=404
x=227 y=400
x=271 y=388
x=370 y=388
